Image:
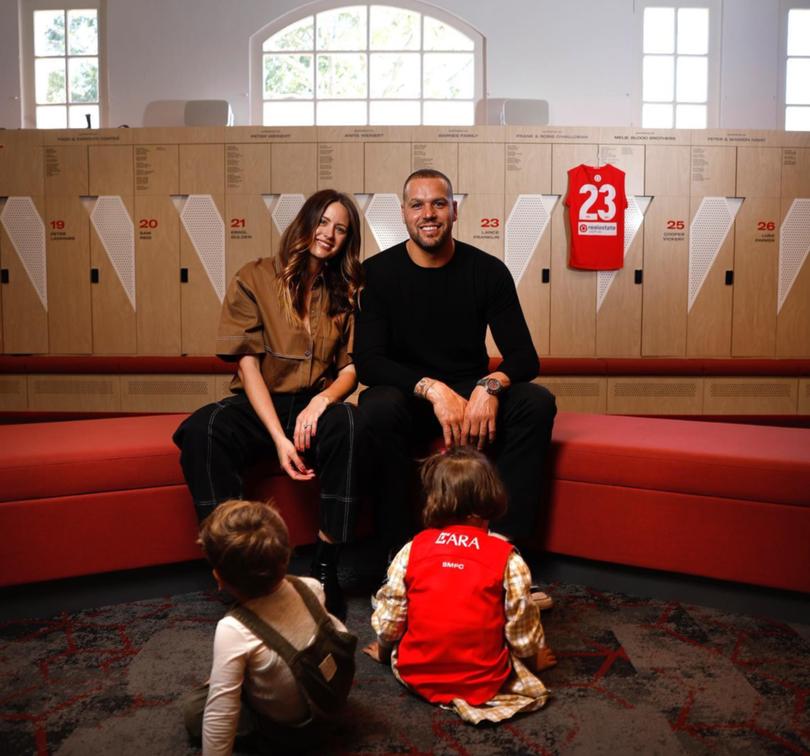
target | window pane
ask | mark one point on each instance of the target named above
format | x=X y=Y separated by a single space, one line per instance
x=690 y=116
x=797 y=91
x=82 y=32
x=342 y=75
x=288 y=114
x=449 y=76
x=52 y=118
x=693 y=31
x=83 y=74
x=395 y=75
x=342 y=29
x=393 y=28
x=297 y=36
x=658 y=74
x=342 y=113
x=288 y=76
x=77 y=116
x=656 y=116
x=442 y=36
x=49 y=32
x=798 y=42
x=659 y=30
x=394 y=113
x=448 y=113
x=693 y=78
x=797 y=119
x=50 y=80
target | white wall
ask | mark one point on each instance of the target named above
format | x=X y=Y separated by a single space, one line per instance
x=582 y=56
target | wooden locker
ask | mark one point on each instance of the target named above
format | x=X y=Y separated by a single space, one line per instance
x=294 y=164
x=340 y=166
x=70 y=324
x=74 y=393
x=666 y=271
x=157 y=275
x=713 y=171
x=25 y=311
x=527 y=168
x=248 y=231
x=166 y=393
x=157 y=169
x=201 y=293
x=795 y=172
x=759 y=171
x=440 y=156
x=387 y=165
x=527 y=217
x=21 y=163
x=667 y=171
x=481 y=168
x=618 y=314
x=247 y=168
x=202 y=169
x=628 y=158
x=653 y=395
x=111 y=170
x=66 y=170
x=708 y=328
x=481 y=222
x=793 y=317
x=113 y=291
x=763 y=395
x=756 y=260
x=573 y=292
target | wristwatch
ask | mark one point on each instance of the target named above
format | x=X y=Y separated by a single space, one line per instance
x=492 y=385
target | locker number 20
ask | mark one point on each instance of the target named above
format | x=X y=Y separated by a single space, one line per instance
x=148 y=223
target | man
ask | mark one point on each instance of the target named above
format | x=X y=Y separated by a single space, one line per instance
x=420 y=348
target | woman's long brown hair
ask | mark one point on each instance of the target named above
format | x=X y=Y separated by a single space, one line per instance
x=343 y=276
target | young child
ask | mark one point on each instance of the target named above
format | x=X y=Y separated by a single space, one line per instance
x=456 y=616
x=251 y=689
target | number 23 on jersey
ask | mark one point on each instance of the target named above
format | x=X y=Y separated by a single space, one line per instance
x=596 y=203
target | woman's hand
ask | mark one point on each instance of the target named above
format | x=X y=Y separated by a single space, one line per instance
x=306 y=424
x=290 y=462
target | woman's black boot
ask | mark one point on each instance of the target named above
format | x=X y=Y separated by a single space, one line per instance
x=324 y=569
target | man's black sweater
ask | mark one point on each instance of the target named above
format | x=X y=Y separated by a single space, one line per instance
x=415 y=322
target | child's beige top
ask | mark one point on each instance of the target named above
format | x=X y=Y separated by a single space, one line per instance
x=268 y=683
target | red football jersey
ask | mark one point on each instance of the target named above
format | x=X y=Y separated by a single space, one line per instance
x=596 y=204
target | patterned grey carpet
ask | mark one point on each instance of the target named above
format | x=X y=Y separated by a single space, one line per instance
x=636 y=676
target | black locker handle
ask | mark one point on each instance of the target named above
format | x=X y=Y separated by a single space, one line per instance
x=4 y=275
x=183 y=275
x=545 y=276
x=638 y=276
x=729 y=277
x=94 y=275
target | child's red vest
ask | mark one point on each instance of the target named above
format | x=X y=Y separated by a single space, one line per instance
x=454 y=645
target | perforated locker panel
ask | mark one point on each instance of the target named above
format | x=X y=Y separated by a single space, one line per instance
x=22 y=257
x=711 y=256
x=112 y=255
x=202 y=257
x=793 y=280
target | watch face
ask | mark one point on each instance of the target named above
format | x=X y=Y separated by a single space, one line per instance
x=493 y=386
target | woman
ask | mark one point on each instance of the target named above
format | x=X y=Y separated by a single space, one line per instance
x=289 y=322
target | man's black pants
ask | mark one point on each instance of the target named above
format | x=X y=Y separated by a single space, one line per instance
x=221 y=440
x=398 y=424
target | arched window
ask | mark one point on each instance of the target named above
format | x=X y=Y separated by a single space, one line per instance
x=366 y=64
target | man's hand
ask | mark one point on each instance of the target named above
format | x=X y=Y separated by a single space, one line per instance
x=449 y=408
x=478 y=427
